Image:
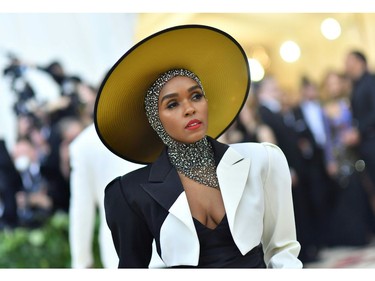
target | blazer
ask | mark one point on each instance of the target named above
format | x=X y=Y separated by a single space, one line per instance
x=150 y=203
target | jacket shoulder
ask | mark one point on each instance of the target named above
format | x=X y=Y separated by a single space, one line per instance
x=129 y=180
x=258 y=150
x=249 y=147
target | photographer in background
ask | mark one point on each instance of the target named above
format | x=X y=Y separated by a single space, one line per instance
x=50 y=108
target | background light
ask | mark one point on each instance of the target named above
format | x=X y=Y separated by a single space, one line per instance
x=256 y=70
x=290 y=51
x=330 y=29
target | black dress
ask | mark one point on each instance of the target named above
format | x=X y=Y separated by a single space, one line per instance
x=217 y=249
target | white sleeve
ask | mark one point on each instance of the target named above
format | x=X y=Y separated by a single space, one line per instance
x=280 y=244
x=82 y=210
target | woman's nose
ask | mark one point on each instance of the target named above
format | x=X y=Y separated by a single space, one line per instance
x=189 y=109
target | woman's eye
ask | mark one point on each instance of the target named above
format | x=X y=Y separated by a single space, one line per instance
x=197 y=96
x=172 y=105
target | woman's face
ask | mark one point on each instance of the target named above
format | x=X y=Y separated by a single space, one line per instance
x=183 y=110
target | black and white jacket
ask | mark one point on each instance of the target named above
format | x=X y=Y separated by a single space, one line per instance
x=149 y=204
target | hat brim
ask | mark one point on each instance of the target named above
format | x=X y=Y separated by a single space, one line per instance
x=213 y=55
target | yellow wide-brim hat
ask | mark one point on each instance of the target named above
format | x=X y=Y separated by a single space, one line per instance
x=213 y=55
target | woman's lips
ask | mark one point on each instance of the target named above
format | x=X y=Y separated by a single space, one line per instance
x=193 y=124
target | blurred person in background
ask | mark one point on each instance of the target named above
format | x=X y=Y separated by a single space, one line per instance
x=277 y=118
x=270 y=112
x=50 y=122
x=33 y=202
x=70 y=128
x=336 y=105
x=248 y=127
x=10 y=184
x=349 y=221
x=19 y=85
x=60 y=114
x=92 y=167
x=314 y=141
x=362 y=99
x=87 y=95
x=69 y=102
x=55 y=167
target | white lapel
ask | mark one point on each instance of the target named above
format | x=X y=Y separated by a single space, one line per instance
x=178 y=239
x=181 y=210
x=232 y=172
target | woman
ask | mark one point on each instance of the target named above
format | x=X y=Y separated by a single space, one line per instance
x=350 y=221
x=204 y=203
x=344 y=137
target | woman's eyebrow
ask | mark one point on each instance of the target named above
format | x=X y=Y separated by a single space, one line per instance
x=168 y=96
x=194 y=88
x=173 y=95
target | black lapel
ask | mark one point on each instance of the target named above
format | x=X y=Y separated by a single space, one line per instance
x=164 y=184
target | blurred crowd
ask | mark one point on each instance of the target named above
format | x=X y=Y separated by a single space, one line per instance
x=327 y=134
x=35 y=170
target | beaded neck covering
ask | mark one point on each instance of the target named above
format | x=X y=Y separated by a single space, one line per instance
x=195 y=160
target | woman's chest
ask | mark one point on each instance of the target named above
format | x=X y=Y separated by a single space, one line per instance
x=205 y=203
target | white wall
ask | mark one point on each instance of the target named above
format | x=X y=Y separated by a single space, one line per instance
x=86 y=44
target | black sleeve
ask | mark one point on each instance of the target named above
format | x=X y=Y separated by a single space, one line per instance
x=130 y=233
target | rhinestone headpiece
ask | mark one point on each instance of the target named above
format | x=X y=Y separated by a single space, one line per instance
x=196 y=160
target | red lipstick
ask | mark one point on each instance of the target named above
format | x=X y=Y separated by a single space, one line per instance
x=193 y=124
